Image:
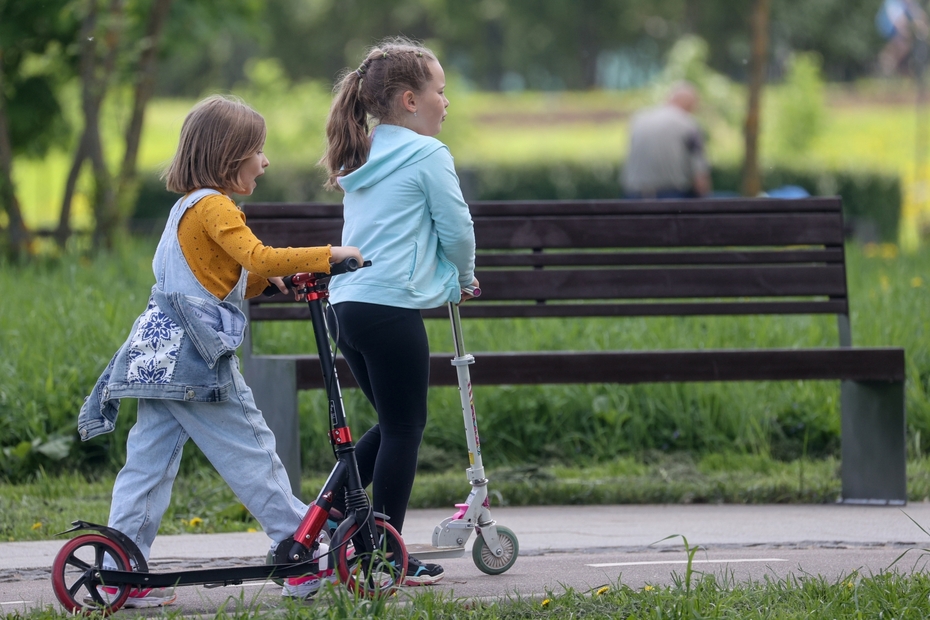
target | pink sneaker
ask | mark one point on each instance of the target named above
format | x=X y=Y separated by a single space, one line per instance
x=138 y=598
x=306 y=586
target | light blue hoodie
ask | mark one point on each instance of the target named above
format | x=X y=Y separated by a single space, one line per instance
x=404 y=210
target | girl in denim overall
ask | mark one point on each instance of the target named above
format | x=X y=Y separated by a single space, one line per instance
x=179 y=359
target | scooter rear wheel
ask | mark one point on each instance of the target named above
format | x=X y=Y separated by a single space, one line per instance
x=74 y=574
x=491 y=564
x=371 y=575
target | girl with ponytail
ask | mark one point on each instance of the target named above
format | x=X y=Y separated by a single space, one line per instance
x=404 y=210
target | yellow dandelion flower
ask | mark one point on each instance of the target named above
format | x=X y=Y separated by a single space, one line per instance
x=889 y=250
x=37 y=526
x=546 y=602
x=196 y=521
x=917 y=282
x=648 y=588
x=251 y=530
x=602 y=590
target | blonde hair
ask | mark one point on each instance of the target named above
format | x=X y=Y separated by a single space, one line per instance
x=218 y=135
x=369 y=93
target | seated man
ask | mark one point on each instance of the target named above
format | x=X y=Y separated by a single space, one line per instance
x=666 y=157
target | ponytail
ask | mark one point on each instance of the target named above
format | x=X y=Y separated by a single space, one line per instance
x=370 y=93
x=347 y=128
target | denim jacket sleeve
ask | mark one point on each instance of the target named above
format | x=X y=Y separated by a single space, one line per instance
x=98 y=413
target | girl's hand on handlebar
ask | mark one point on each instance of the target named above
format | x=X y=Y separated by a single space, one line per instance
x=279 y=282
x=340 y=253
x=472 y=291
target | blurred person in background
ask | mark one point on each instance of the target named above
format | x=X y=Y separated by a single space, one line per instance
x=666 y=155
x=899 y=22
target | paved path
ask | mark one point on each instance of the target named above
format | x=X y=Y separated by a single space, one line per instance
x=567 y=546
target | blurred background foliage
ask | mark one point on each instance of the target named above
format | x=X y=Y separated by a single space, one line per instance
x=529 y=44
x=128 y=70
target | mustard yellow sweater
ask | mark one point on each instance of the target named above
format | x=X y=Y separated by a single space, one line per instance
x=216 y=243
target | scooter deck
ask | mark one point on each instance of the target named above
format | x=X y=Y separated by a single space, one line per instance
x=429 y=552
x=211 y=577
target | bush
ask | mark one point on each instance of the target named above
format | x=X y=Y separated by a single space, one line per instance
x=799 y=108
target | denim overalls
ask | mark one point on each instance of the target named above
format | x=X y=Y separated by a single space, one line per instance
x=180 y=362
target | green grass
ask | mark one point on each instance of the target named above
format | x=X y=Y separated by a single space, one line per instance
x=692 y=595
x=61 y=320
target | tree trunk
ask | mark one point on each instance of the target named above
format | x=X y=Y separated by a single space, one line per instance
x=17 y=233
x=95 y=77
x=63 y=232
x=127 y=189
x=106 y=213
x=752 y=181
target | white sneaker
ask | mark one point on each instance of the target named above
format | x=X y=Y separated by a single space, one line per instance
x=306 y=586
x=138 y=599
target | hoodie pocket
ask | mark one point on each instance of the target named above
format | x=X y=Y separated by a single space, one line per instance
x=413 y=262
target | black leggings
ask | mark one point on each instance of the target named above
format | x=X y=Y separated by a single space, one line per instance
x=388 y=352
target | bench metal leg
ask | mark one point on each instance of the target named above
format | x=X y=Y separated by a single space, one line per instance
x=874 y=459
x=274 y=386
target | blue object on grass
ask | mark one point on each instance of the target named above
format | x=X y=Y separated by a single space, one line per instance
x=788 y=191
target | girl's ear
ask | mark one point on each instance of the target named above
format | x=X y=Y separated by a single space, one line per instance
x=409 y=101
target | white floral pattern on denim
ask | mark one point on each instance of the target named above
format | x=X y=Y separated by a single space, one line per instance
x=153 y=350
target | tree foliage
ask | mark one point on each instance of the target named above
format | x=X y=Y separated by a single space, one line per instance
x=552 y=44
x=170 y=48
x=35 y=38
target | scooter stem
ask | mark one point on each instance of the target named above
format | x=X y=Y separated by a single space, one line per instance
x=461 y=362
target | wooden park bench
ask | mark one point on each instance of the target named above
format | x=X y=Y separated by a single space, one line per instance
x=625 y=258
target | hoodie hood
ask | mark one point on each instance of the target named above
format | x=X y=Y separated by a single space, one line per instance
x=392 y=148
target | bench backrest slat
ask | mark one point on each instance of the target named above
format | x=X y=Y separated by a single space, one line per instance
x=609 y=258
x=640 y=231
x=624 y=258
x=736 y=281
x=289 y=311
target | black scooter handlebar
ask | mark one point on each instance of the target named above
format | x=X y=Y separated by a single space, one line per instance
x=345 y=266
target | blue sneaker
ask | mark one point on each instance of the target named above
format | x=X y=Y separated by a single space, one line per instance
x=420 y=574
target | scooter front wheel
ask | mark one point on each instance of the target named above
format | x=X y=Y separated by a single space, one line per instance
x=74 y=578
x=491 y=564
x=373 y=575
